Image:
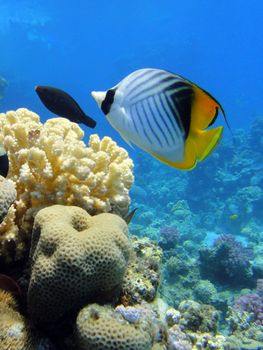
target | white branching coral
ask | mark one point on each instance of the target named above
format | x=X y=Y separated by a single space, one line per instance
x=50 y=164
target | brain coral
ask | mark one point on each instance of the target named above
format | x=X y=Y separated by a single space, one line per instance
x=74 y=256
x=50 y=164
x=100 y=328
x=9 y=237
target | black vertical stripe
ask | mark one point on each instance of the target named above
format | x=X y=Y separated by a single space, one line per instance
x=156 y=119
x=142 y=78
x=149 y=124
x=142 y=125
x=134 y=119
x=155 y=85
x=163 y=117
x=172 y=118
x=182 y=101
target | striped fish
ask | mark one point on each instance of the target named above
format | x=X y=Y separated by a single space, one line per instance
x=164 y=114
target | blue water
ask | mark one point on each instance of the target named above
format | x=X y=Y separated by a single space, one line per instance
x=90 y=45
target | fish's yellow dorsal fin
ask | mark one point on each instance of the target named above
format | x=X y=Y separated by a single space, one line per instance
x=204 y=109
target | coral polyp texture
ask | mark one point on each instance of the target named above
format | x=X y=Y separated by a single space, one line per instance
x=7 y=196
x=50 y=164
x=74 y=258
x=14 y=332
x=100 y=328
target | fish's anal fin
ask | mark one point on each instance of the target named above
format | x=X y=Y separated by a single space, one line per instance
x=197 y=147
x=205 y=141
x=189 y=161
x=204 y=109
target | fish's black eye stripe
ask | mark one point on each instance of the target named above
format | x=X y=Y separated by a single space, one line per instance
x=156 y=120
x=142 y=125
x=150 y=126
x=108 y=101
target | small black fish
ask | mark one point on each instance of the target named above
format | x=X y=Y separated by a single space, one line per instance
x=4 y=162
x=62 y=104
x=129 y=216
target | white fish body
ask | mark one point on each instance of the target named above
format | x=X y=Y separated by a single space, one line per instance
x=141 y=119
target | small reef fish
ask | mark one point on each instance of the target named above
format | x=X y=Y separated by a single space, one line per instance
x=62 y=104
x=165 y=115
x=233 y=217
x=129 y=216
x=4 y=162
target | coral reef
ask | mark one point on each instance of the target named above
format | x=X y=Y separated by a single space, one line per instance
x=227 y=261
x=205 y=291
x=142 y=278
x=14 y=331
x=198 y=317
x=50 y=164
x=74 y=257
x=100 y=328
x=168 y=238
x=245 y=317
x=91 y=286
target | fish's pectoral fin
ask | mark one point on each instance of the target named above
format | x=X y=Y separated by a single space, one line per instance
x=204 y=109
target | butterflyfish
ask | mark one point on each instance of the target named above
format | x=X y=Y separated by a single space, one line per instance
x=4 y=162
x=164 y=114
x=62 y=104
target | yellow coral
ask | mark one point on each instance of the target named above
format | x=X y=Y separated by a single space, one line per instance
x=50 y=164
x=14 y=331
